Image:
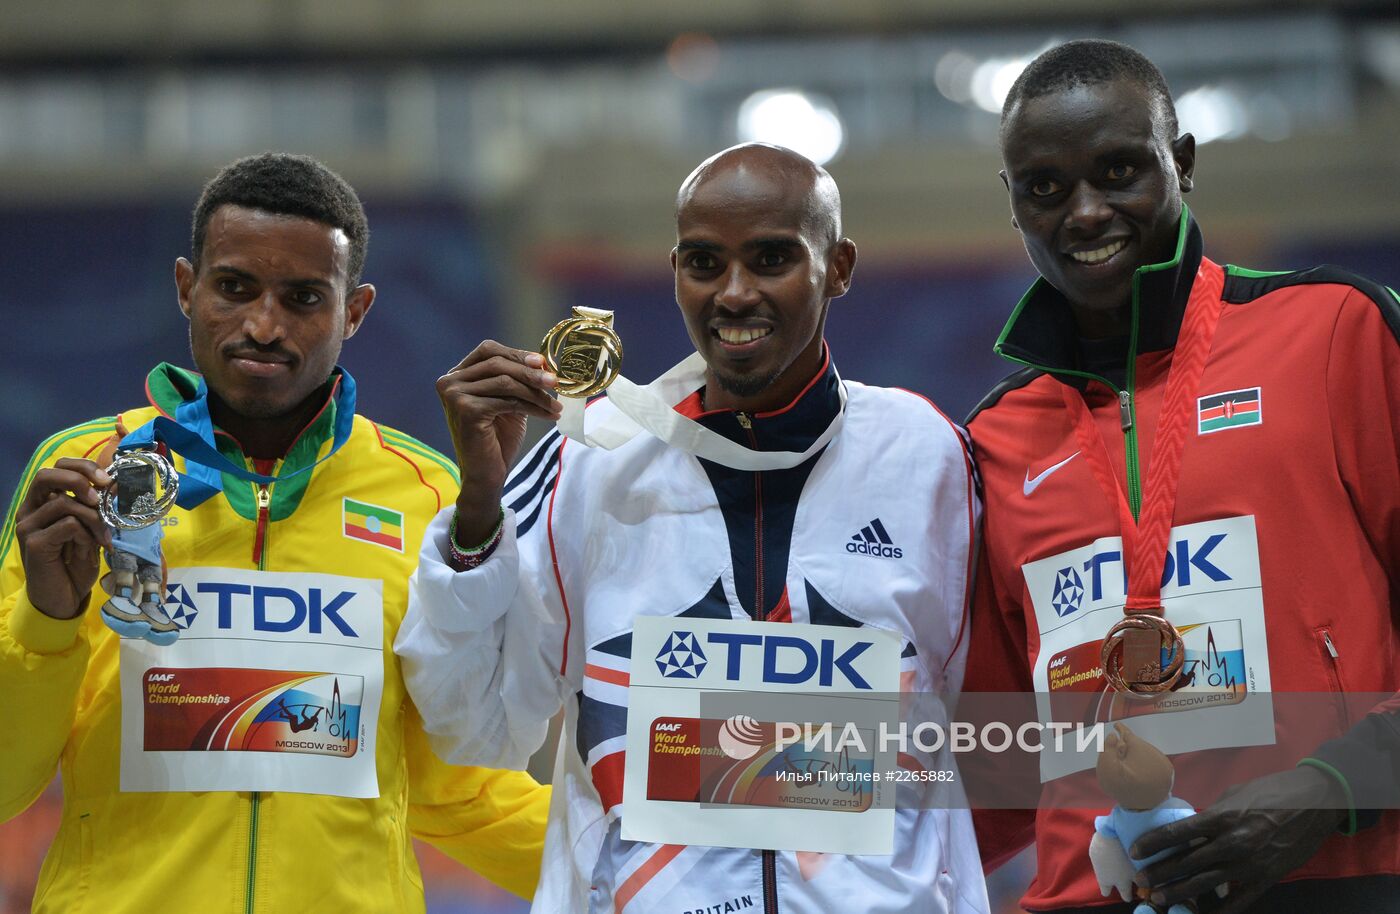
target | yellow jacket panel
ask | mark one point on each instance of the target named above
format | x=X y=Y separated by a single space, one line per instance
x=233 y=851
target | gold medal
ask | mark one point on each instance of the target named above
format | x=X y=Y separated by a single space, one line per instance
x=1132 y=654
x=584 y=352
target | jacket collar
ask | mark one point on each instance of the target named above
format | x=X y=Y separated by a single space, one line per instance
x=1041 y=332
x=791 y=428
x=167 y=386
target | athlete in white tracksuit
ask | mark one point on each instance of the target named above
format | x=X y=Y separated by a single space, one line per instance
x=875 y=530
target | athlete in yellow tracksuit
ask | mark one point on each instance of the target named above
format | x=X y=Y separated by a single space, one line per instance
x=240 y=567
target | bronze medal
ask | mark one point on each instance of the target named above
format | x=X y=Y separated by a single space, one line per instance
x=1132 y=654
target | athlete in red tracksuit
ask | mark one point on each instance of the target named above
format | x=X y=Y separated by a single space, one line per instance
x=1295 y=423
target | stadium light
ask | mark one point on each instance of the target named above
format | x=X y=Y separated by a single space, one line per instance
x=800 y=121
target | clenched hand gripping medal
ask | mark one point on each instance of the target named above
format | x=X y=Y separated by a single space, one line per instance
x=144 y=488
x=1143 y=653
x=585 y=353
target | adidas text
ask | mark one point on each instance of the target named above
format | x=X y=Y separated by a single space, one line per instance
x=889 y=552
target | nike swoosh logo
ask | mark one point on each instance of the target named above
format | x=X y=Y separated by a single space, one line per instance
x=1030 y=485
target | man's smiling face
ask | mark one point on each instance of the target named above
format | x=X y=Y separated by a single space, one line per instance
x=1095 y=185
x=756 y=265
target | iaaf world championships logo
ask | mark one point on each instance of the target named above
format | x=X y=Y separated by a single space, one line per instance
x=741 y=737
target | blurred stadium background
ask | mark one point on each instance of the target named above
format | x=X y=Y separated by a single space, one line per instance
x=518 y=158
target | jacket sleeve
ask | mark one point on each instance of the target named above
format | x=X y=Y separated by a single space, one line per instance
x=955 y=669
x=996 y=662
x=42 y=660
x=483 y=649
x=1363 y=392
x=1363 y=396
x=491 y=821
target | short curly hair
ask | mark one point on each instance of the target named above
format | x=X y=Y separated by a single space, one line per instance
x=286 y=185
x=1089 y=62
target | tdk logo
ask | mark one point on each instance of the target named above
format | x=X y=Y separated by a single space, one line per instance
x=791 y=660
x=873 y=539
x=681 y=657
x=179 y=607
x=1186 y=562
x=279 y=609
x=1069 y=592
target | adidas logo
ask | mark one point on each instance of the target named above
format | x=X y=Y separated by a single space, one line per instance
x=873 y=539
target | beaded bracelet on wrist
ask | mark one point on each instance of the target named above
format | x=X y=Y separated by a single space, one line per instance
x=467 y=559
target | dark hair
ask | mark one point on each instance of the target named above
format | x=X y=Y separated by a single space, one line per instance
x=286 y=185
x=1089 y=62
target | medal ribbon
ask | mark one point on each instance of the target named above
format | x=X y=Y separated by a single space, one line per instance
x=1145 y=539
x=652 y=409
x=191 y=435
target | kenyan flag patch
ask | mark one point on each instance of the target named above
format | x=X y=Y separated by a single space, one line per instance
x=373 y=524
x=1229 y=410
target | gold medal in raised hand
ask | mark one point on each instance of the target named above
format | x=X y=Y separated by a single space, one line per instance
x=584 y=352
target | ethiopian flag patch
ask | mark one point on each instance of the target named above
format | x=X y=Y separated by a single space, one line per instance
x=373 y=524
x=1229 y=410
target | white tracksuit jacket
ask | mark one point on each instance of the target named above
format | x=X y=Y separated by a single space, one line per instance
x=596 y=538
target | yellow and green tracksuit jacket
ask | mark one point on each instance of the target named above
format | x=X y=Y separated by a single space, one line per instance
x=219 y=851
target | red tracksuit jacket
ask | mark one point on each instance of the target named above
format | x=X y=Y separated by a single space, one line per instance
x=1298 y=427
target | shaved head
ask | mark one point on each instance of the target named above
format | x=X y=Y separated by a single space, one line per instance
x=760 y=169
x=758 y=258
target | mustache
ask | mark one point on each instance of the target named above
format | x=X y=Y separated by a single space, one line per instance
x=249 y=349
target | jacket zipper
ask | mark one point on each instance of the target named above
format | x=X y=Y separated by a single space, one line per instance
x=264 y=495
x=1130 y=448
x=770 y=883
x=769 y=862
x=760 y=611
x=255 y=797
x=1125 y=406
x=1334 y=669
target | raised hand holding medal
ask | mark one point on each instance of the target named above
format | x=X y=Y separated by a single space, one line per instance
x=488 y=395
